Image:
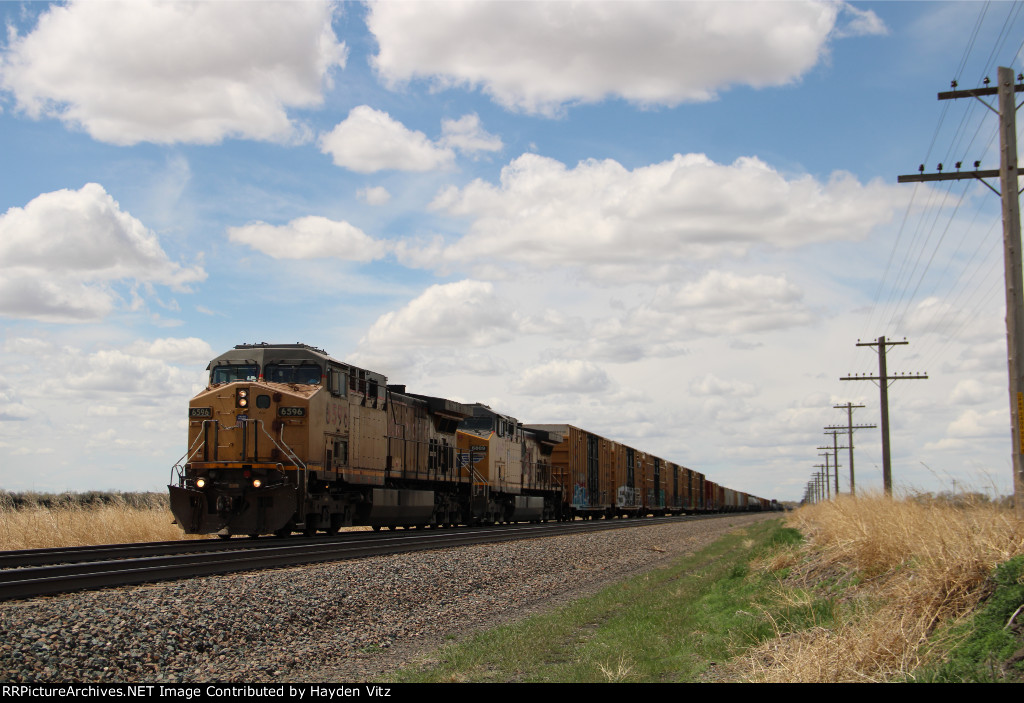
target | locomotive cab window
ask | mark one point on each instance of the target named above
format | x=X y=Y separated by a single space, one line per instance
x=308 y=374
x=228 y=373
x=477 y=424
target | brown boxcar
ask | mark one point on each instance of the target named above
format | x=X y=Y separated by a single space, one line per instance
x=627 y=479
x=582 y=465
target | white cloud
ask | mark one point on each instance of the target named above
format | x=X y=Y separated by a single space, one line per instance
x=973 y=424
x=538 y=56
x=562 y=376
x=970 y=391
x=28 y=346
x=310 y=237
x=463 y=314
x=189 y=350
x=116 y=372
x=11 y=407
x=605 y=217
x=465 y=364
x=858 y=23
x=720 y=303
x=376 y=195
x=447 y=319
x=147 y=372
x=711 y=385
x=933 y=315
x=369 y=140
x=466 y=135
x=164 y=72
x=60 y=254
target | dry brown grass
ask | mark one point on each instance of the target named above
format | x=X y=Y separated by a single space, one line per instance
x=897 y=569
x=74 y=526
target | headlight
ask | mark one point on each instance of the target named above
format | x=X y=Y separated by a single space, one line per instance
x=256 y=483
x=242 y=398
x=200 y=483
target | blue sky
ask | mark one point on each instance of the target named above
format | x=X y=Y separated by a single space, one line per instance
x=668 y=223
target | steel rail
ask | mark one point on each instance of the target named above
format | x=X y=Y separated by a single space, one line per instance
x=68 y=555
x=250 y=555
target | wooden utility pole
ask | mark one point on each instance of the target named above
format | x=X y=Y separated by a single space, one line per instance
x=883 y=384
x=835 y=453
x=850 y=427
x=826 y=490
x=1007 y=174
x=828 y=474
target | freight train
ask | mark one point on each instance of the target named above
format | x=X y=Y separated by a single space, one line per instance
x=286 y=438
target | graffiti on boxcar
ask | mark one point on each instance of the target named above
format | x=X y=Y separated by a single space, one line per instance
x=627 y=497
x=580 y=498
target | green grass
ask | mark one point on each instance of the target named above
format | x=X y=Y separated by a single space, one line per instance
x=672 y=624
x=987 y=643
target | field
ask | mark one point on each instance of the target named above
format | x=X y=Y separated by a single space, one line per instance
x=40 y=520
x=908 y=590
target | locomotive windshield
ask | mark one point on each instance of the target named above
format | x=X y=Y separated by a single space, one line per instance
x=309 y=374
x=477 y=424
x=234 y=372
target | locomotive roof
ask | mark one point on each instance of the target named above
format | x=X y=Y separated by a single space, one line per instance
x=274 y=352
x=439 y=406
x=285 y=353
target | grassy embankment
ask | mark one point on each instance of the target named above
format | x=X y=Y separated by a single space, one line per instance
x=854 y=590
x=39 y=520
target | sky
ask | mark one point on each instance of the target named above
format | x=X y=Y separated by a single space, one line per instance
x=668 y=223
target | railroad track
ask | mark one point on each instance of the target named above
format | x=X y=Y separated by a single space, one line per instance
x=41 y=572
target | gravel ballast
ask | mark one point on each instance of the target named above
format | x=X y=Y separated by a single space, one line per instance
x=342 y=621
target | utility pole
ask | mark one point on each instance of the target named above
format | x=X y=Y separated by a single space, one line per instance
x=826 y=491
x=883 y=380
x=850 y=427
x=835 y=453
x=1007 y=175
